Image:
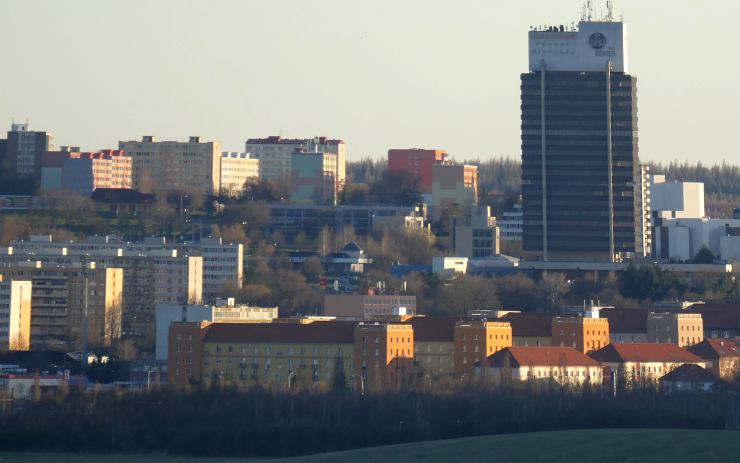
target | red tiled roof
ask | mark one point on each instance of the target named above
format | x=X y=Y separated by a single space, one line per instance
x=689 y=372
x=433 y=329
x=531 y=324
x=541 y=356
x=317 y=332
x=718 y=316
x=626 y=320
x=644 y=352
x=715 y=348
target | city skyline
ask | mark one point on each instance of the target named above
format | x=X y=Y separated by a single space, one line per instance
x=441 y=77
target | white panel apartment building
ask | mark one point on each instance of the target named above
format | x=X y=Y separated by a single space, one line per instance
x=15 y=314
x=222 y=263
x=192 y=166
x=236 y=169
x=275 y=155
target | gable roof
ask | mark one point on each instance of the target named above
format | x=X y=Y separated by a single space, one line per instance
x=351 y=247
x=549 y=356
x=626 y=320
x=334 y=332
x=433 y=329
x=717 y=316
x=644 y=352
x=690 y=372
x=716 y=348
x=529 y=324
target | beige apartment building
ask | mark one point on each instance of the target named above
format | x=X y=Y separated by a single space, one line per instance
x=192 y=166
x=453 y=184
x=275 y=155
x=236 y=170
x=15 y=314
x=684 y=329
x=58 y=299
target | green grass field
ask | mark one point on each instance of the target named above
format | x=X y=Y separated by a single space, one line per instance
x=634 y=445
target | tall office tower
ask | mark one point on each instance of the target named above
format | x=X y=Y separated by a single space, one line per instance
x=276 y=154
x=22 y=151
x=161 y=166
x=580 y=167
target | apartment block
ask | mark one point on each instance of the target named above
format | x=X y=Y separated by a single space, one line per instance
x=58 y=299
x=477 y=236
x=583 y=333
x=160 y=166
x=476 y=341
x=23 y=149
x=83 y=173
x=314 y=178
x=366 y=306
x=223 y=264
x=227 y=311
x=453 y=184
x=563 y=365
x=684 y=329
x=15 y=314
x=236 y=170
x=275 y=155
x=384 y=354
x=417 y=162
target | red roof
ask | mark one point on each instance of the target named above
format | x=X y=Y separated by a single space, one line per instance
x=716 y=348
x=541 y=356
x=318 y=332
x=644 y=352
x=534 y=325
x=626 y=320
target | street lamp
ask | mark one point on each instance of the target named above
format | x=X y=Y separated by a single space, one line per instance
x=291 y=375
x=148 y=377
x=556 y=293
x=362 y=382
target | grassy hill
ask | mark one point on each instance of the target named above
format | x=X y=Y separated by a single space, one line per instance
x=607 y=445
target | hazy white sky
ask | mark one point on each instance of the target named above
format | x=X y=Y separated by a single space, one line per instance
x=379 y=74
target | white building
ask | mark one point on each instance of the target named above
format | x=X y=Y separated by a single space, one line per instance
x=15 y=314
x=275 y=155
x=449 y=266
x=510 y=224
x=223 y=264
x=682 y=239
x=237 y=169
x=676 y=200
x=226 y=311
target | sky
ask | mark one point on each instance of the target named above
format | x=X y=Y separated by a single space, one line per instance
x=379 y=74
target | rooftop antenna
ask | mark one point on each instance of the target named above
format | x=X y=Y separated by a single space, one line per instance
x=590 y=10
x=609 y=11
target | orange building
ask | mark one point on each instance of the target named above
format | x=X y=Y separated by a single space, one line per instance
x=185 y=352
x=583 y=333
x=475 y=341
x=418 y=162
x=384 y=354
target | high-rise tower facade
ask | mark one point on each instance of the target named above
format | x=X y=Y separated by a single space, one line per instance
x=580 y=167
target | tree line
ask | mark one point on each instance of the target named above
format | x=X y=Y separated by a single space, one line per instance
x=226 y=421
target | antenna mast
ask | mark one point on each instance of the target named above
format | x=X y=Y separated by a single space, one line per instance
x=609 y=10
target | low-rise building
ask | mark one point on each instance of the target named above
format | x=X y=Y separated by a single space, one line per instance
x=722 y=356
x=562 y=365
x=449 y=266
x=719 y=320
x=689 y=377
x=224 y=312
x=366 y=306
x=384 y=355
x=684 y=329
x=530 y=329
x=476 y=341
x=643 y=363
x=15 y=314
x=586 y=333
x=626 y=325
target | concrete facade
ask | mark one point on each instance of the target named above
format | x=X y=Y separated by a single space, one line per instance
x=236 y=170
x=684 y=329
x=23 y=151
x=453 y=184
x=83 y=173
x=15 y=314
x=367 y=306
x=160 y=166
x=478 y=236
x=417 y=162
x=314 y=178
